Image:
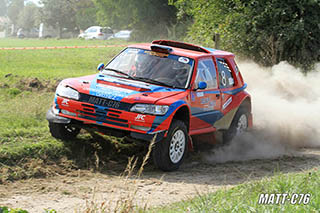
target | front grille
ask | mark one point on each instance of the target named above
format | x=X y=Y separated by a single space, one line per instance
x=104 y=102
x=102 y=115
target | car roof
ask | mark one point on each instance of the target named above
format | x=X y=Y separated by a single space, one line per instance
x=185 y=49
x=94 y=27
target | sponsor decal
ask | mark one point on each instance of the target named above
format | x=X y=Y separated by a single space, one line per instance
x=140 y=118
x=227 y=103
x=114 y=95
x=104 y=102
x=204 y=100
x=183 y=60
x=200 y=94
x=212 y=104
x=65 y=102
x=231 y=81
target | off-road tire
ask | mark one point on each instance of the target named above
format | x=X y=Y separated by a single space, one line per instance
x=63 y=131
x=229 y=134
x=161 y=150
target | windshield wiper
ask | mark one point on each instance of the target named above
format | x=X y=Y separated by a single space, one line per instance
x=120 y=72
x=148 y=80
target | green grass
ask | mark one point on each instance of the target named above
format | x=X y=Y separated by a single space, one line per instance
x=24 y=135
x=24 y=132
x=58 y=63
x=14 y=42
x=245 y=197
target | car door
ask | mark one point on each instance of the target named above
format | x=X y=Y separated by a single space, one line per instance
x=228 y=86
x=226 y=82
x=205 y=103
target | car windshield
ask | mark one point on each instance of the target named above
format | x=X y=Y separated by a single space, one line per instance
x=153 y=67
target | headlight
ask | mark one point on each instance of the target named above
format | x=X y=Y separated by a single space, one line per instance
x=67 y=92
x=150 y=109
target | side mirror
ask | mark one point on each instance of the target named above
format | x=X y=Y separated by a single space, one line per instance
x=202 y=85
x=100 y=66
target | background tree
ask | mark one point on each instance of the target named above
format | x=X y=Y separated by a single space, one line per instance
x=59 y=14
x=148 y=18
x=15 y=7
x=28 y=18
x=269 y=31
x=3 y=7
x=85 y=14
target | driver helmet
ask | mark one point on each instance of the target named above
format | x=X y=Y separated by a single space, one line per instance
x=178 y=65
x=141 y=60
x=180 y=68
x=142 y=64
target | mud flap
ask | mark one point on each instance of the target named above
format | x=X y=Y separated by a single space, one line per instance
x=190 y=144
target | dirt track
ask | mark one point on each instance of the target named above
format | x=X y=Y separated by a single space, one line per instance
x=70 y=193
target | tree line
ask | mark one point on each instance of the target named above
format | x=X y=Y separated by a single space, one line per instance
x=268 y=31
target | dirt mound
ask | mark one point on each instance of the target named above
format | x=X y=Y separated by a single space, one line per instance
x=30 y=84
x=34 y=84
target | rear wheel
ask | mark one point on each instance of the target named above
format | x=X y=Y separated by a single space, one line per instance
x=63 y=131
x=169 y=153
x=238 y=125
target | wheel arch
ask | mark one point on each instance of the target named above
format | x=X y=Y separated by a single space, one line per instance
x=225 y=122
x=246 y=102
x=183 y=114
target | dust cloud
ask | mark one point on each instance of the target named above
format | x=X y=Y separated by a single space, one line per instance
x=286 y=114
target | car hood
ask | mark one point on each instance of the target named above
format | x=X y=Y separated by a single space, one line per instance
x=121 y=89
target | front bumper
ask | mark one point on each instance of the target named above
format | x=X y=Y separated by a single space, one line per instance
x=53 y=117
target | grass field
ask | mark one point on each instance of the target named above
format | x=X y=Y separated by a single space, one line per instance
x=24 y=135
x=8 y=42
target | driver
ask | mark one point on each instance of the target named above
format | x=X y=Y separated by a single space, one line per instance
x=142 y=66
x=180 y=71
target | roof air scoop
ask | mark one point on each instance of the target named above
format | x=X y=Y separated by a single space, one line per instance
x=161 y=49
x=181 y=45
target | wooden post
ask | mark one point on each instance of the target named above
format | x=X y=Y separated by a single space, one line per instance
x=216 y=39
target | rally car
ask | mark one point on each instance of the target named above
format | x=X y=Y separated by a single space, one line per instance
x=167 y=90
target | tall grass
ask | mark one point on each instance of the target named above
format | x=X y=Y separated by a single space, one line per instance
x=124 y=204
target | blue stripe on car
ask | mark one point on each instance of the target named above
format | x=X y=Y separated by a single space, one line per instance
x=119 y=94
x=56 y=101
x=235 y=91
x=209 y=49
x=161 y=118
x=107 y=92
x=209 y=116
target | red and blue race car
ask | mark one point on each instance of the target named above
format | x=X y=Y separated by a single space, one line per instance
x=170 y=89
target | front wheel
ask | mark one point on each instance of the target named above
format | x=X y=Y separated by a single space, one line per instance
x=238 y=126
x=63 y=131
x=169 y=153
